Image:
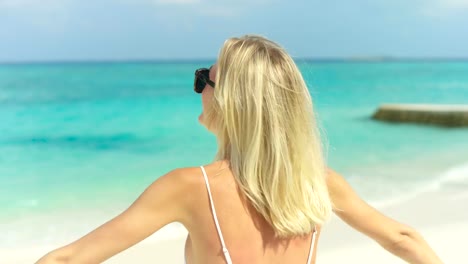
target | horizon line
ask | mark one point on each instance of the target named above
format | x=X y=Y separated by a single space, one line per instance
x=191 y=60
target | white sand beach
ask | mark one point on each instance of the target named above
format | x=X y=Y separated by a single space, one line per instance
x=440 y=216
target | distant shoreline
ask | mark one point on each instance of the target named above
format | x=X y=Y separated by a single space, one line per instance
x=363 y=59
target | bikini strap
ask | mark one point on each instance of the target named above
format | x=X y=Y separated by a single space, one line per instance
x=312 y=244
x=215 y=217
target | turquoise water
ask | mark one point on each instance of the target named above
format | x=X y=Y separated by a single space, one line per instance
x=83 y=140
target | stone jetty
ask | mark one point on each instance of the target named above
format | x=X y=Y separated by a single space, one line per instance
x=431 y=114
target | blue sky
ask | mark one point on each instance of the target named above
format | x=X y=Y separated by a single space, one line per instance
x=47 y=30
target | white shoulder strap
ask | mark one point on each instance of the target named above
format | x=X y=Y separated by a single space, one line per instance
x=225 y=251
x=312 y=243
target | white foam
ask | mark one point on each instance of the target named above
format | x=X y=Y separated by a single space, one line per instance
x=454 y=179
x=455 y=176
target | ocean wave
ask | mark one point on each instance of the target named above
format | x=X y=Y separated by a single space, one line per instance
x=455 y=177
x=454 y=180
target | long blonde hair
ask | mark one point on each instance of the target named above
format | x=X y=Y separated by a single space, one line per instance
x=266 y=129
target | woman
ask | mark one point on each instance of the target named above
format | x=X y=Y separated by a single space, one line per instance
x=267 y=194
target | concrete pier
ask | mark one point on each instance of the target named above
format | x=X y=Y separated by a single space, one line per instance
x=432 y=114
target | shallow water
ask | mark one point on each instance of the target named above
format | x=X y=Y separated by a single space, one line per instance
x=85 y=139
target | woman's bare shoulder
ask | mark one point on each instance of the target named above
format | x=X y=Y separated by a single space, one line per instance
x=192 y=177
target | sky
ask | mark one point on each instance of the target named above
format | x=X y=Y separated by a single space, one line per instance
x=62 y=30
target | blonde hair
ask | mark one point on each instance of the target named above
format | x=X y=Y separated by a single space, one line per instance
x=266 y=129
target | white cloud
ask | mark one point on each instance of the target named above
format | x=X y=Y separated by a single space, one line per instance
x=213 y=8
x=30 y=3
x=444 y=8
x=13 y=3
x=49 y=15
x=220 y=11
x=211 y=2
x=453 y=3
x=176 y=2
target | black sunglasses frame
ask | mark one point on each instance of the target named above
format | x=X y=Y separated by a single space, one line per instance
x=202 y=77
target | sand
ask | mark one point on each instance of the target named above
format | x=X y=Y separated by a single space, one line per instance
x=440 y=216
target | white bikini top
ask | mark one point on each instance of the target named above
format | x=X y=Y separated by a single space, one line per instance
x=220 y=234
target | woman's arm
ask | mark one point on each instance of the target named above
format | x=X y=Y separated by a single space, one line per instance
x=163 y=202
x=395 y=237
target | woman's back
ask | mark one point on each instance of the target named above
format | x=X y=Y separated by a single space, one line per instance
x=269 y=150
x=248 y=237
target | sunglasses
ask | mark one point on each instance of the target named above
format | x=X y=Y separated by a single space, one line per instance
x=202 y=77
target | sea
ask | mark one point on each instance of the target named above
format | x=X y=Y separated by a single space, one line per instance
x=80 y=141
